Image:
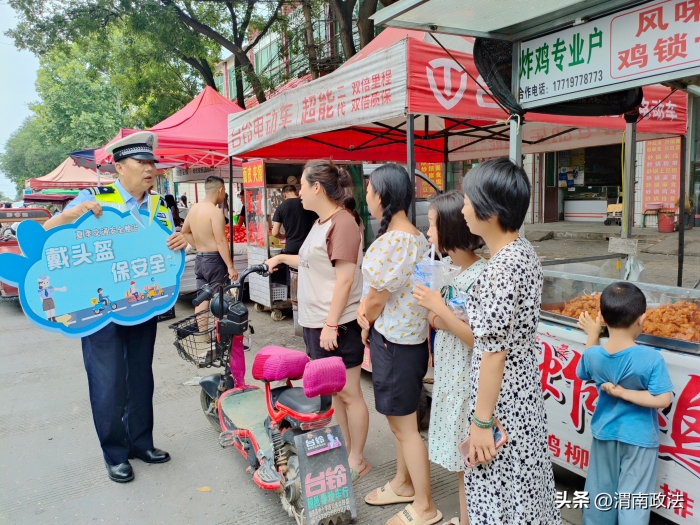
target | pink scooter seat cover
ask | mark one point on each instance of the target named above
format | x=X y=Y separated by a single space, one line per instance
x=274 y=363
x=324 y=377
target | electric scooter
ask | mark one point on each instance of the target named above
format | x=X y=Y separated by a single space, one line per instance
x=281 y=430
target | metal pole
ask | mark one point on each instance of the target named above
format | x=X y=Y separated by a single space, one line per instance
x=629 y=176
x=230 y=203
x=681 y=216
x=411 y=161
x=515 y=150
x=98 y=175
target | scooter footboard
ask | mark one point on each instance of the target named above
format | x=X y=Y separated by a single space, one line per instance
x=326 y=481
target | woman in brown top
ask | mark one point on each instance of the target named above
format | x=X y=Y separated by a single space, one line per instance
x=330 y=260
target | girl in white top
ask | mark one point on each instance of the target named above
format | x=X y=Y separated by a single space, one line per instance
x=398 y=341
x=454 y=339
x=329 y=290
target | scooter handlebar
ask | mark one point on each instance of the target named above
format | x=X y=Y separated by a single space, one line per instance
x=204 y=295
x=262 y=269
x=207 y=292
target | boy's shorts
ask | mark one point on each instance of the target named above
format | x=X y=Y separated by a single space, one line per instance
x=617 y=467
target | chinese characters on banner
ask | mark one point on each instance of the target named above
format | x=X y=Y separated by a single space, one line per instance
x=78 y=277
x=253 y=174
x=635 y=45
x=571 y=402
x=355 y=94
x=435 y=173
x=662 y=169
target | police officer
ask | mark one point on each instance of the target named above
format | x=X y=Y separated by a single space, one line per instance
x=118 y=359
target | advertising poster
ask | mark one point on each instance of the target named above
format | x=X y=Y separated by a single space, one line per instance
x=326 y=481
x=662 y=170
x=77 y=278
x=434 y=172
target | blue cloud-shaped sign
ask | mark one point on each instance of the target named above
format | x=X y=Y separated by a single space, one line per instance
x=76 y=278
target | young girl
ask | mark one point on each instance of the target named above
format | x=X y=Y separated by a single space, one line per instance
x=398 y=342
x=329 y=290
x=454 y=339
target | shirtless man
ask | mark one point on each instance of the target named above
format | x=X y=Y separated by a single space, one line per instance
x=204 y=229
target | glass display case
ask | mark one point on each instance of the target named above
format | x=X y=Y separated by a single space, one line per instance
x=606 y=193
x=673 y=314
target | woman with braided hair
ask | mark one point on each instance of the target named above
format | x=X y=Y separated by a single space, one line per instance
x=396 y=329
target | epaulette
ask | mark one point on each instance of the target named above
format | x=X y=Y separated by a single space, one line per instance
x=101 y=190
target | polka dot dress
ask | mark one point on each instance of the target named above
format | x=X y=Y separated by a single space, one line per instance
x=517 y=487
x=448 y=412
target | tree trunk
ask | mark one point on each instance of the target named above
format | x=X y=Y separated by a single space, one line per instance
x=201 y=65
x=365 y=25
x=234 y=47
x=310 y=40
x=240 y=93
x=342 y=9
x=243 y=63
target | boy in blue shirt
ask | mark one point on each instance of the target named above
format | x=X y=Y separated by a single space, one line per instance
x=633 y=384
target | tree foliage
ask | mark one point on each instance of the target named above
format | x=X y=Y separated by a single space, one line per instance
x=29 y=153
x=191 y=31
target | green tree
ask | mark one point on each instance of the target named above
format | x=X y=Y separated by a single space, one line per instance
x=78 y=107
x=29 y=153
x=187 y=29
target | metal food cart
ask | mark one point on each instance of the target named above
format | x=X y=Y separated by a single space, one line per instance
x=263 y=181
x=570 y=402
x=262 y=193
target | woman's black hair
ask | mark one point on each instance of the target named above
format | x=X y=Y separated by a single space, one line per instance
x=169 y=200
x=499 y=188
x=333 y=178
x=393 y=185
x=452 y=232
x=350 y=204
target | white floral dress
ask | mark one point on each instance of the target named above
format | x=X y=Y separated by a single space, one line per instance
x=388 y=265
x=517 y=486
x=452 y=358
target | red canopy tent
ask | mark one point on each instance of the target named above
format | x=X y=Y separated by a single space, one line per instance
x=67 y=175
x=195 y=135
x=359 y=112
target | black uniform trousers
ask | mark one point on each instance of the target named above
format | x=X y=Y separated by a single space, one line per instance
x=118 y=361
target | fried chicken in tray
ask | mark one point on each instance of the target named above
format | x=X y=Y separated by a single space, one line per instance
x=680 y=320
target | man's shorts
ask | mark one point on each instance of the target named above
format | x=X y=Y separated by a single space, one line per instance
x=210 y=268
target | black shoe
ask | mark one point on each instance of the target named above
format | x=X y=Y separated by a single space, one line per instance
x=122 y=473
x=154 y=455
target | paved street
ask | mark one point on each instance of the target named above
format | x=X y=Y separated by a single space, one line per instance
x=52 y=465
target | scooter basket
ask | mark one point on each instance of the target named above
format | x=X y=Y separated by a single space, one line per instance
x=195 y=339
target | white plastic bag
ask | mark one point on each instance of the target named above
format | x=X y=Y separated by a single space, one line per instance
x=634 y=270
x=458 y=305
x=432 y=273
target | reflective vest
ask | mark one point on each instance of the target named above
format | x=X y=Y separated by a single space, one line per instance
x=110 y=196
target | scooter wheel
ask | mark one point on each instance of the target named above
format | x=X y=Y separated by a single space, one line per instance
x=114 y=306
x=210 y=409
x=259 y=307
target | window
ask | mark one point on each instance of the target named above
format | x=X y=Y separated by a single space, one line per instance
x=232 y=83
